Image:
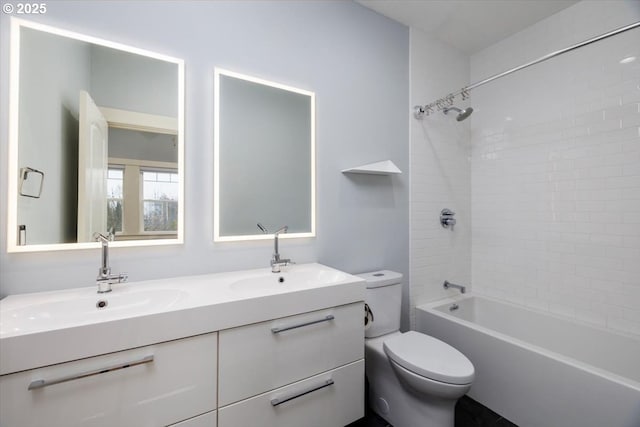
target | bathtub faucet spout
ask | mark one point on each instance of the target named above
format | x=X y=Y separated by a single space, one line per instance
x=448 y=285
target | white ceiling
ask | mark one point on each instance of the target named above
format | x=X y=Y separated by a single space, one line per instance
x=468 y=25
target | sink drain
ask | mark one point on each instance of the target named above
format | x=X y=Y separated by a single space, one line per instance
x=102 y=303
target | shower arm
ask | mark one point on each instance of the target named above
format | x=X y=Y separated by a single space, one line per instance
x=421 y=110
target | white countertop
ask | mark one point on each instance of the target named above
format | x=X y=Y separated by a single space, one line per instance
x=45 y=328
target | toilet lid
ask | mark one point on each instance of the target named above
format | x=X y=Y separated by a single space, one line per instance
x=429 y=357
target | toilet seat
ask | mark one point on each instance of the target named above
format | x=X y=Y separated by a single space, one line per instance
x=429 y=357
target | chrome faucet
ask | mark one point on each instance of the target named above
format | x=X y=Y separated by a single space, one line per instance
x=276 y=262
x=448 y=285
x=105 y=279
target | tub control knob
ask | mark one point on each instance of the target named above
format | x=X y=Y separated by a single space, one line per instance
x=447 y=218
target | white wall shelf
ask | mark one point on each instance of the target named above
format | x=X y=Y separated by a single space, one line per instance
x=385 y=167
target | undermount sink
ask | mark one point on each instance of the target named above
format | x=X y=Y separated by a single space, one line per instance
x=83 y=307
x=289 y=279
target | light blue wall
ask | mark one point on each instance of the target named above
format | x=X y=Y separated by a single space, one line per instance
x=356 y=61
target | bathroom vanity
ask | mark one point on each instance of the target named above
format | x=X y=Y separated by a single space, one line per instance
x=230 y=349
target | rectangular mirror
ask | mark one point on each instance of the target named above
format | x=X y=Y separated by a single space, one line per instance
x=264 y=152
x=103 y=125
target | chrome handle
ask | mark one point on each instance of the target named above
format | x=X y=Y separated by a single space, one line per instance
x=45 y=383
x=281 y=400
x=301 y=325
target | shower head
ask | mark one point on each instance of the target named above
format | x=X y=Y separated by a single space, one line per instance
x=462 y=114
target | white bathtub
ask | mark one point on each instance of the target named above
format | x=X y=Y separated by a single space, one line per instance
x=537 y=369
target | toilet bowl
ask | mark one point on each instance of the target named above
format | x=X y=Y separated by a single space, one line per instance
x=414 y=379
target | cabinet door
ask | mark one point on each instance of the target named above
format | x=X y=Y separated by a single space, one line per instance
x=263 y=356
x=331 y=399
x=145 y=387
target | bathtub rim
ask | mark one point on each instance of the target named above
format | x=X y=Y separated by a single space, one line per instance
x=431 y=307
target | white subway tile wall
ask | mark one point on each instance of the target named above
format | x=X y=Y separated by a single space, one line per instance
x=555 y=169
x=440 y=174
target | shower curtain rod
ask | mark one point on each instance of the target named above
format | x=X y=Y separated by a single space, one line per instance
x=421 y=110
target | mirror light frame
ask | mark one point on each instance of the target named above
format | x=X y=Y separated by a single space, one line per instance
x=13 y=167
x=216 y=155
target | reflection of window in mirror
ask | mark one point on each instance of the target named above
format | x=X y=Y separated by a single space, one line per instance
x=142 y=201
x=143 y=184
x=115 y=199
x=160 y=200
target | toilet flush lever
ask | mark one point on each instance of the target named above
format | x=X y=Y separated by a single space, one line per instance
x=447 y=218
x=368 y=314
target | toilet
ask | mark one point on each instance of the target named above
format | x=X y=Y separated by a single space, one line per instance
x=414 y=379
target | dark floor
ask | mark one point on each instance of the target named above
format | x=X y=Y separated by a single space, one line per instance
x=469 y=413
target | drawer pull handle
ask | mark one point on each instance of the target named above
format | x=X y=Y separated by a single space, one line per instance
x=45 y=383
x=281 y=400
x=313 y=322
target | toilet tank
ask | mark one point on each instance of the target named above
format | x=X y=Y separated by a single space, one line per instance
x=384 y=298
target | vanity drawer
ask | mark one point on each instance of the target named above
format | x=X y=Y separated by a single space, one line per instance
x=331 y=399
x=149 y=386
x=263 y=356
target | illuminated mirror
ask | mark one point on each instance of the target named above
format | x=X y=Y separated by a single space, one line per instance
x=264 y=158
x=101 y=124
